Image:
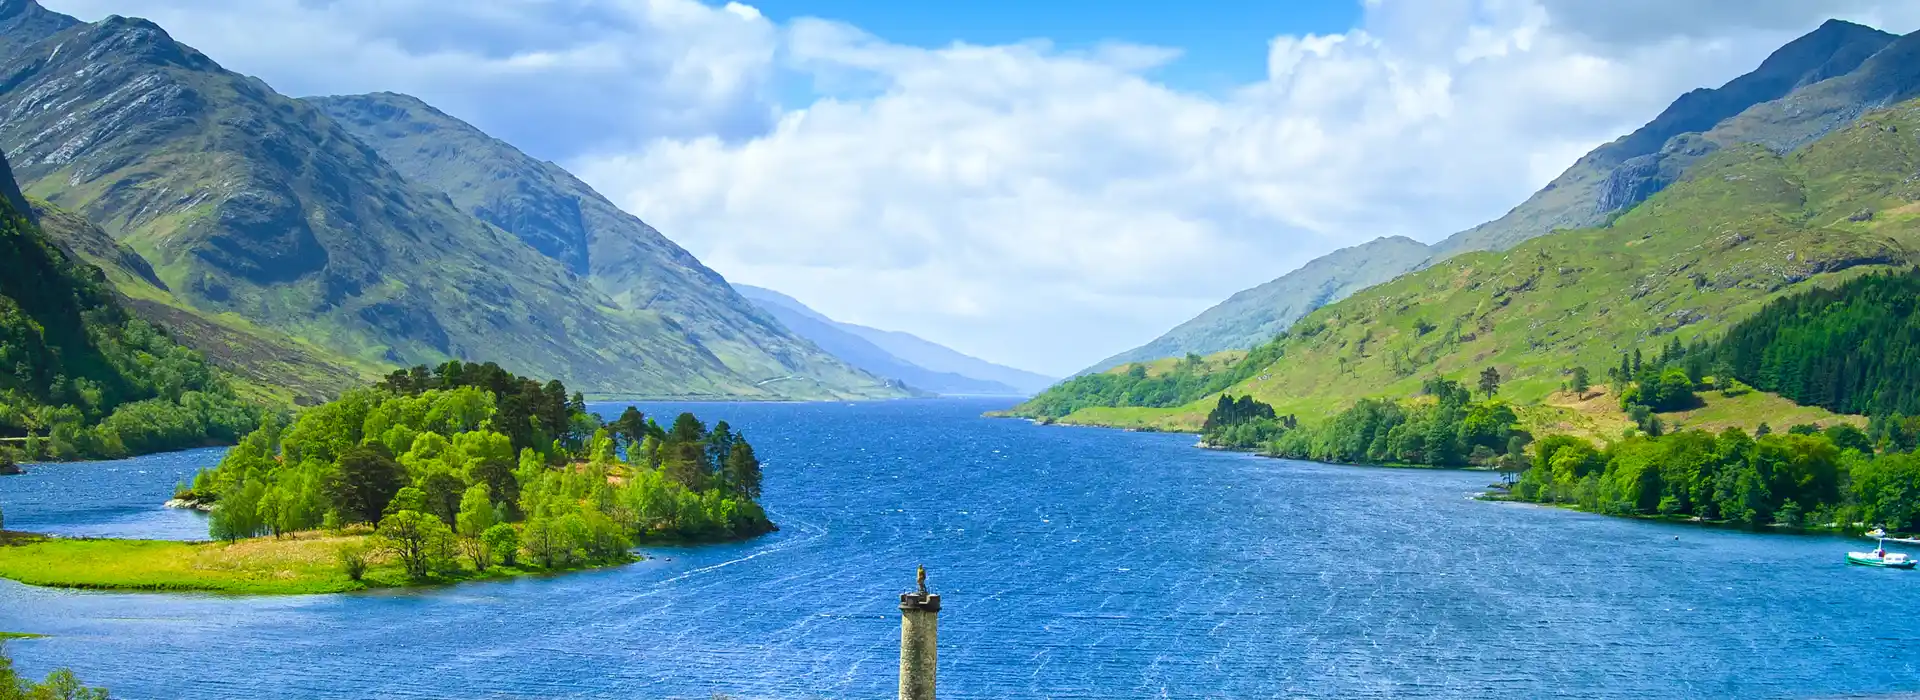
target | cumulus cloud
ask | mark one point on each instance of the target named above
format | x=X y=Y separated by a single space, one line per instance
x=1029 y=204
x=554 y=77
x=1048 y=208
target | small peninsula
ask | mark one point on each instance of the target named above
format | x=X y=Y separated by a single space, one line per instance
x=457 y=473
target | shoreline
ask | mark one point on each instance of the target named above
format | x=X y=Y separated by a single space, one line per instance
x=304 y=563
x=1857 y=530
x=1490 y=496
x=258 y=566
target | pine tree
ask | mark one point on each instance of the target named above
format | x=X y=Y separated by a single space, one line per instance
x=743 y=470
x=1489 y=381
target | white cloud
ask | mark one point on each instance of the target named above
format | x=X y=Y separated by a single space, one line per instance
x=1028 y=204
x=1047 y=208
x=554 y=77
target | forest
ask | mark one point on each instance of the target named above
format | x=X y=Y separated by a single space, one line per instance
x=466 y=462
x=1854 y=348
x=85 y=379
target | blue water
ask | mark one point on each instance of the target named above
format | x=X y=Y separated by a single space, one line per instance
x=1074 y=563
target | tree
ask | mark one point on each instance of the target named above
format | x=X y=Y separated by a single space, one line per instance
x=743 y=470
x=687 y=429
x=476 y=517
x=366 y=480
x=1847 y=437
x=630 y=428
x=1489 y=381
x=443 y=493
x=415 y=539
x=686 y=456
x=408 y=498
x=719 y=444
x=503 y=541
x=546 y=542
x=237 y=516
x=1580 y=381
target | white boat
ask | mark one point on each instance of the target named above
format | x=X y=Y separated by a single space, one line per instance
x=1882 y=558
x=1879 y=534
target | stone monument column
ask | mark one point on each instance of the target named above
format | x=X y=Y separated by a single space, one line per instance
x=919 y=637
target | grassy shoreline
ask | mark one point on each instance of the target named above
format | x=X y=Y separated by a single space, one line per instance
x=1857 y=530
x=304 y=564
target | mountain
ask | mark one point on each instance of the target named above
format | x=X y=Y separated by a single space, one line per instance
x=1742 y=227
x=869 y=349
x=1811 y=85
x=24 y=23
x=1620 y=174
x=940 y=358
x=87 y=379
x=549 y=209
x=266 y=365
x=1256 y=315
x=251 y=205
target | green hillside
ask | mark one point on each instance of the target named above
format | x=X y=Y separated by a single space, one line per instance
x=1742 y=228
x=87 y=379
x=256 y=210
x=266 y=366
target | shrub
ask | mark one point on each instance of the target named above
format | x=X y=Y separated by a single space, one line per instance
x=353 y=559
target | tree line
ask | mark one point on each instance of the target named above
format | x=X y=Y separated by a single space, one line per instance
x=1806 y=476
x=1444 y=427
x=1186 y=382
x=449 y=471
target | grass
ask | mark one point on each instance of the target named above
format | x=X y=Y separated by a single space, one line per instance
x=304 y=563
x=1747 y=411
x=20 y=635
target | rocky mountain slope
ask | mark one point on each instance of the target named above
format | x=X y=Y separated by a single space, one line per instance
x=862 y=347
x=1808 y=87
x=249 y=204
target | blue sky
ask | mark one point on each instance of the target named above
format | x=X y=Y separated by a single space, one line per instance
x=1029 y=195
x=1223 y=43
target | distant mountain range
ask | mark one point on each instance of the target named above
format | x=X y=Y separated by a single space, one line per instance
x=340 y=237
x=919 y=363
x=1807 y=88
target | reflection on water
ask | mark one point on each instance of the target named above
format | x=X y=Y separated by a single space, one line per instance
x=1073 y=563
